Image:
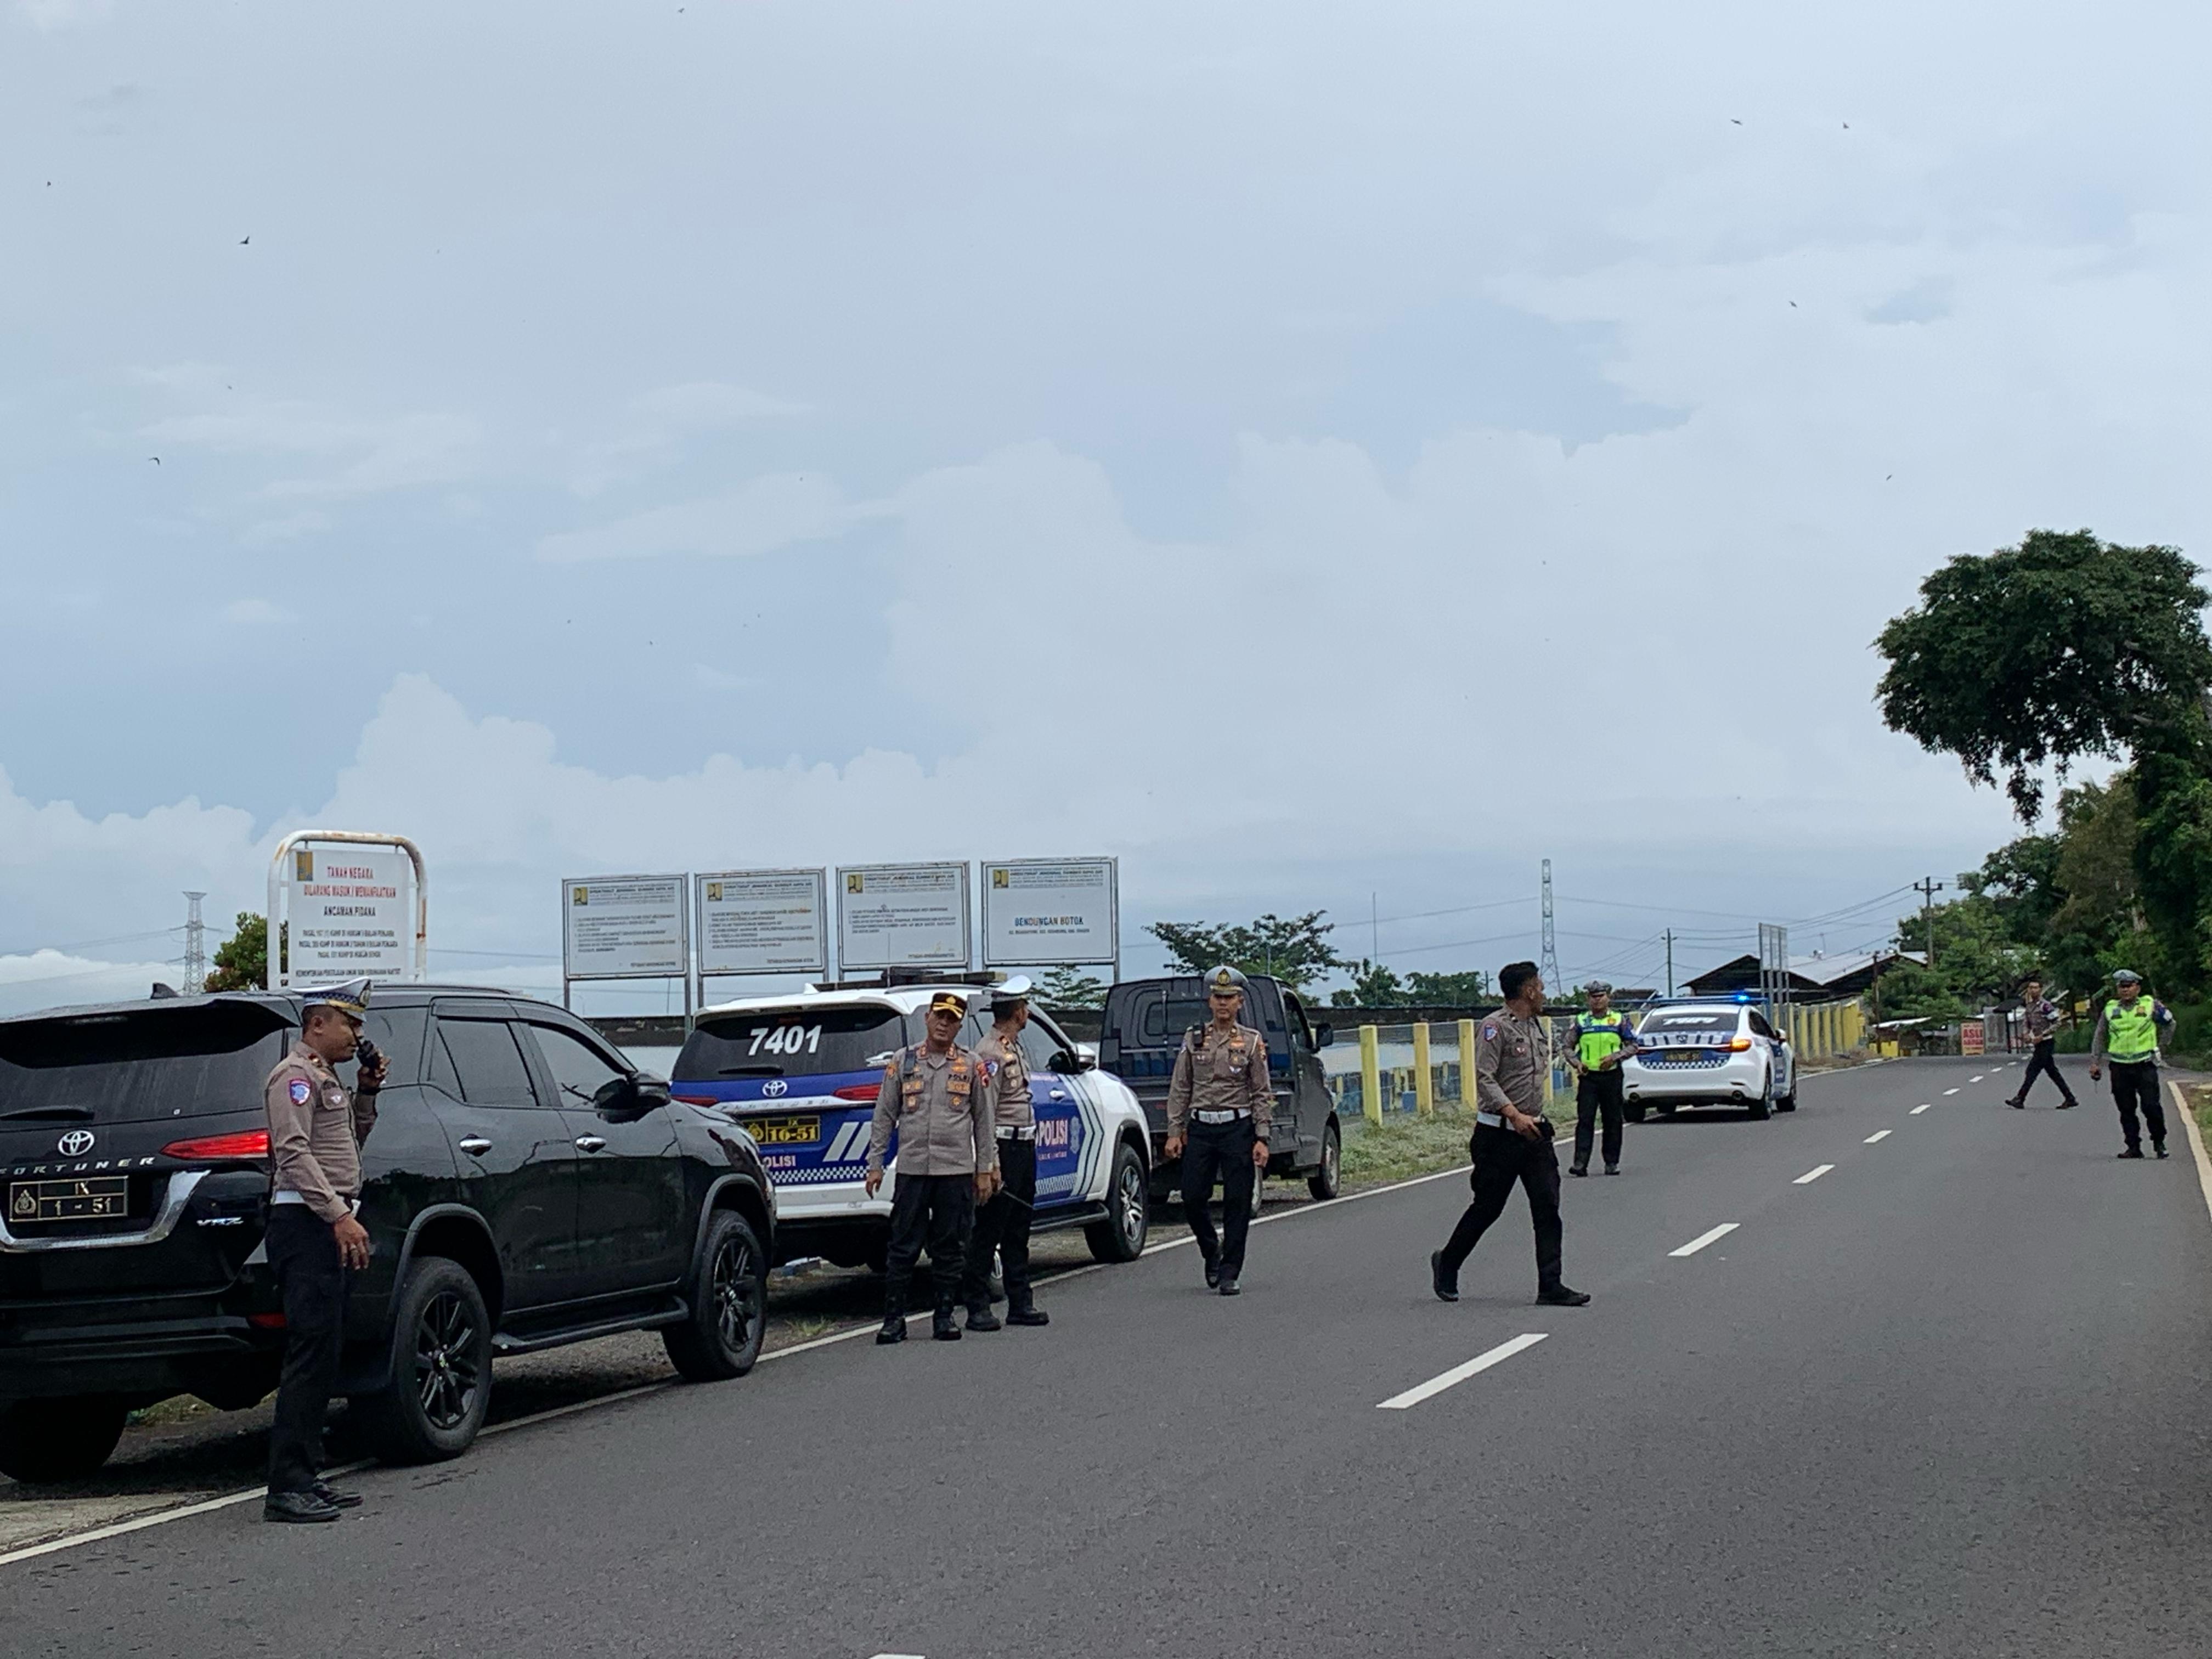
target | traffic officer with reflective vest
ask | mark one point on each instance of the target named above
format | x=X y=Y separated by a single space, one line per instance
x=933 y=1094
x=316 y=1128
x=1602 y=1040
x=1221 y=1105
x=1002 y=1223
x=2128 y=1033
x=1512 y=1139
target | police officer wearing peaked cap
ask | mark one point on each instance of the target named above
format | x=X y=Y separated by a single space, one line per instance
x=1221 y=1104
x=316 y=1128
x=1002 y=1221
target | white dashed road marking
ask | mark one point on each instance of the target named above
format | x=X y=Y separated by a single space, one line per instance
x=1704 y=1239
x=1811 y=1174
x=1950 y=1092
x=1923 y=1107
x=1977 y=1078
x=1879 y=1135
x=1458 y=1374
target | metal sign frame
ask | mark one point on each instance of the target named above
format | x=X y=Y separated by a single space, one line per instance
x=1774 y=967
x=683 y=880
x=1113 y=957
x=844 y=872
x=275 y=973
x=700 y=878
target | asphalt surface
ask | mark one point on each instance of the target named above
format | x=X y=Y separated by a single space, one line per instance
x=1949 y=1397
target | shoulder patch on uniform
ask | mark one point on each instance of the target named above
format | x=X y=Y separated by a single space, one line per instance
x=990 y=1068
x=300 y=1090
x=1490 y=1034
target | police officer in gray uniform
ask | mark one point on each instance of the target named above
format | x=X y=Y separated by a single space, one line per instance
x=1002 y=1223
x=1220 y=1107
x=316 y=1126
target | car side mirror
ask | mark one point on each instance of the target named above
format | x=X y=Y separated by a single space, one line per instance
x=1067 y=1063
x=626 y=1099
x=1324 y=1033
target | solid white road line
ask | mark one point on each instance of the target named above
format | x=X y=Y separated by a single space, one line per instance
x=2195 y=1140
x=1811 y=1174
x=1879 y=1135
x=1458 y=1374
x=1917 y=1110
x=1704 y=1239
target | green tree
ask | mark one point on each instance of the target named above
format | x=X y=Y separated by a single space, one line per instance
x=241 y=961
x=1070 y=988
x=1448 y=990
x=1977 y=962
x=1373 y=986
x=2039 y=654
x=1294 y=949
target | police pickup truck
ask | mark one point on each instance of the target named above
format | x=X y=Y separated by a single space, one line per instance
x=800 y=1074
x=1142 y=1029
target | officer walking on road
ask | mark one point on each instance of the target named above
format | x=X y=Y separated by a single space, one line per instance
x=1002 y=1225
x=316 y=1127
x=2128 y=1032
x=1221 y=1103
x=1602 y=1040
x=1512 y=1139
x=933 y=1094
x=2040 y=1016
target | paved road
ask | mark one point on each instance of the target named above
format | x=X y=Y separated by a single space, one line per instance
x=1947 y=1399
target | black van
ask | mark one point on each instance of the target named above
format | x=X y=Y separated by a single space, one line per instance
x=1144 y=1025
x=524 y=1186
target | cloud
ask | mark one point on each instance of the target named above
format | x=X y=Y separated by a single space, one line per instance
x=365 y=455
x=256 y=612
x=288 y=528
x=51 y=15
x=655 y=428
x=765 y=513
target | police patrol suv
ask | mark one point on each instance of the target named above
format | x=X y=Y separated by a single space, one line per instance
x=1709 y=1051
x=800 y=1074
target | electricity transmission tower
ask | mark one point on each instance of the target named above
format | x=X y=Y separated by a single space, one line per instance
x=1549 y=968
x=196 y=967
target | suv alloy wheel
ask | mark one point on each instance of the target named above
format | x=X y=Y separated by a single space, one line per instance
x=729 y=1305
x=1120 y=1235
x=441 y=1383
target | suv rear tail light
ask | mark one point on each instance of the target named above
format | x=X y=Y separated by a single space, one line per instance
x=699 y=1100
x=247 y=1142
x=859 y=1091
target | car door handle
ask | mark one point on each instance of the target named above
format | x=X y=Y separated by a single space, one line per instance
x=1056 y=1094
x=475 y=1146
x=590 y=1144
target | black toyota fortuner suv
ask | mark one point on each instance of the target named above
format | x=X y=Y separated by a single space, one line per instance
x=524 y=1186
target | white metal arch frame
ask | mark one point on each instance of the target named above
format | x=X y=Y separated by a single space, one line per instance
x=275 y=978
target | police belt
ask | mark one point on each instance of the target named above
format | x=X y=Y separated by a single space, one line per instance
x=1016 y=1132
x=1494 y=1120
x=1219 y=1117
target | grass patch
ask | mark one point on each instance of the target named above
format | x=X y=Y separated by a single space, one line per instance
x=1404 y=1145
x=2200 y=1101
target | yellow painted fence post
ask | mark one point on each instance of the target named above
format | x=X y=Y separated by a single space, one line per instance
x=1425 y=1084
x=1467 y=1066
x=1370 y=1076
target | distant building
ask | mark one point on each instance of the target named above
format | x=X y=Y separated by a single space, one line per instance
x=1848 y=973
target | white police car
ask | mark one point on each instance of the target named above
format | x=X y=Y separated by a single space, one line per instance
x=1716 y=1051
x=800 y=1074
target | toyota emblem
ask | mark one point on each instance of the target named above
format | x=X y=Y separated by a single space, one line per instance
x=75 y=1144
x=773 y=1088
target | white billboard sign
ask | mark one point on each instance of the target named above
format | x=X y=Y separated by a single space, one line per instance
x=903 y=915
x=763 y=921
x=1039 y=912
x=350 y=908
x=625 y=927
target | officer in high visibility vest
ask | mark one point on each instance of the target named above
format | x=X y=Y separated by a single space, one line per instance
x=1602 y=1040
x=2128 y=1033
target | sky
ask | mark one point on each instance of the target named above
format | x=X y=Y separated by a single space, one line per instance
x=1325 y=457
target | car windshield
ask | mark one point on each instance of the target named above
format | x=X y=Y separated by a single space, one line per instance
x=1156 y=1015
x=1667 y=1021
x=791 y=1042
x=125 y=1067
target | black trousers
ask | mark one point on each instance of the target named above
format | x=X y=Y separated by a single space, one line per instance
x=304 y=1253
x=1599 y=1092
x=933 y=1211
x=2043 y=1062
x=1501 y=1159
x=1003 y=1225
x=2136 y=1084
x=1222 y=1151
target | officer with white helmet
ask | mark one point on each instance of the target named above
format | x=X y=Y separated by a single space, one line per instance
x=2128 y=1033
x=1002 y=1222
x=1221 y=1103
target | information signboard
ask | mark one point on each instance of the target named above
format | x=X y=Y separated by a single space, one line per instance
x=348 y=910
x=903 y=915
x=625 y=927
x=1040 y=912
x=763 y=921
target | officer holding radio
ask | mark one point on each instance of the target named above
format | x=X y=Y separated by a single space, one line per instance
x=316 y=1127
x=1221 y=1104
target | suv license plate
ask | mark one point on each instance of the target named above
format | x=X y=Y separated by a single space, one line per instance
x=90 y=1199
x=784 y=1131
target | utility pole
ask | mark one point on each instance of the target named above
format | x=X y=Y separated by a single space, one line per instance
x=1549 y=968
x=1670 y=962
x=1375 y=926
x=1927 y=887
x=196 y=968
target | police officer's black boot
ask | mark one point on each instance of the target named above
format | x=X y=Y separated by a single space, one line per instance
x=894 y=1330
x=981 y=1318
x=943 y=1326
x=1020 y=1311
